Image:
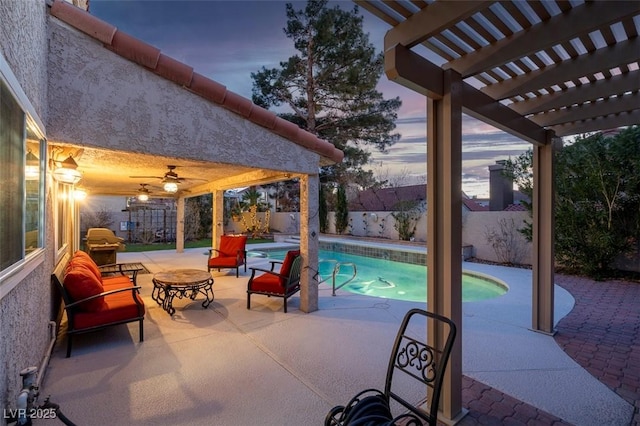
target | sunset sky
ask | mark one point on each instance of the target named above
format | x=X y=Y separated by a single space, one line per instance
x=228 y=40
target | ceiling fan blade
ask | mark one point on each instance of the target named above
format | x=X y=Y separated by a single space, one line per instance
x=145 y=177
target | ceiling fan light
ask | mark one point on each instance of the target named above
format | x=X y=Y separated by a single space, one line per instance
x=143 y=197
x=171 y=187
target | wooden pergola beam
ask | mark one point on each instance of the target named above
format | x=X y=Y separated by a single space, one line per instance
x=433 y=19
x=609 y=122
x=412 y=71
x=584 y=112
x=484 y=108
x=618 y=84
x=621 y=53
x=416 y=73
x=578 y=21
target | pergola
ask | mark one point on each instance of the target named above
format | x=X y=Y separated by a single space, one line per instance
x=538 y=70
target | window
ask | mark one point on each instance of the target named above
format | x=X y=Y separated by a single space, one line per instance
x=22 y=160
x=12 y=132
x=34 y=207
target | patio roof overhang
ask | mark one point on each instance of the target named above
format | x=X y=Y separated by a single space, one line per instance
x=123 y=109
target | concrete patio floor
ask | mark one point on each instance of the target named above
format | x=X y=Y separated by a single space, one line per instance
x=227 y=365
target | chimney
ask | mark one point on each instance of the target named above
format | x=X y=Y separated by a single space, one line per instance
x=500 y=187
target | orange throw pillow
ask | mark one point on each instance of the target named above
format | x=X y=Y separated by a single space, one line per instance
x=87 y=262
x=80 y=282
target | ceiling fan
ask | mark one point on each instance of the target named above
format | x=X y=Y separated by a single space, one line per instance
x=170 y=180
x=143 y=192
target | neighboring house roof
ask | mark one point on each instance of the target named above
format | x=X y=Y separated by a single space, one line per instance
x=519 y=197
x=173 y=70
x=515 y=208
x=474 y=206
x=385 y=199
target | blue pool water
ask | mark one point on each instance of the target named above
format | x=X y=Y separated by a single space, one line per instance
x=393 y=280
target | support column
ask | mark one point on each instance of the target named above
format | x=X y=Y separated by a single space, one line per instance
x=543 y=237
x=309 y=235
x=444 y=232
x=217 y=217
x=180 y=225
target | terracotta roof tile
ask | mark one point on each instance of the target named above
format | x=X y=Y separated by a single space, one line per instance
x=286 y=129
x=308 y=140
x=78 y=18
x=174 y=70
x=263 y=117
x=150 y=57
x=207 y=88
x=238 y=104
x=135 y=50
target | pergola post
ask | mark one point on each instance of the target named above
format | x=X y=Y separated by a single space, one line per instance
x=444 y=231
x=309 y=237
x=180 y=225
x=543 y=237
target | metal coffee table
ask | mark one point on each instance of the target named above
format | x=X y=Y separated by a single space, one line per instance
x=181 y=283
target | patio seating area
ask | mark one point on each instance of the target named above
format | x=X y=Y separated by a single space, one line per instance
x=231 y=366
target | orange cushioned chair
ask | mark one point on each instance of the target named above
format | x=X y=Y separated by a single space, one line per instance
x=231 y=254
x=278 y=284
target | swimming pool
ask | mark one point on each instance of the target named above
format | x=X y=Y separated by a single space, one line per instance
x=393 y=280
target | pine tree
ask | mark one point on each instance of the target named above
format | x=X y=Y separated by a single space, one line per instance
x=324 y=220
x=330 y=87
x=342 y=212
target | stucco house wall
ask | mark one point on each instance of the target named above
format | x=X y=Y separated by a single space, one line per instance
x=476 y=225
x=27 y=307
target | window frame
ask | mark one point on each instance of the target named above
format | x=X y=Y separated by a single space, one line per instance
x=14 y=274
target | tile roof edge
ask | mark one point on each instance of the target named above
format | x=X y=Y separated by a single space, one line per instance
x=173 y=70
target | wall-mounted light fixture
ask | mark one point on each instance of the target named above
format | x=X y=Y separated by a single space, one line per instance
x=32 y=169
x=66 y=171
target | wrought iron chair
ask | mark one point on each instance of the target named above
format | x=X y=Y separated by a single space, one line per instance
x=231 y=254
x=419 y=363
x=284 y=283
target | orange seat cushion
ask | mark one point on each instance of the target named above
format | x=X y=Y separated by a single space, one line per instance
x=268 y=283
x=116 y=307
x=224 y=262
x=115 y=282
x=80 y=282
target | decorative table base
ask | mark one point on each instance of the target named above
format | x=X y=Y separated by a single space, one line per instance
x=181 y=283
